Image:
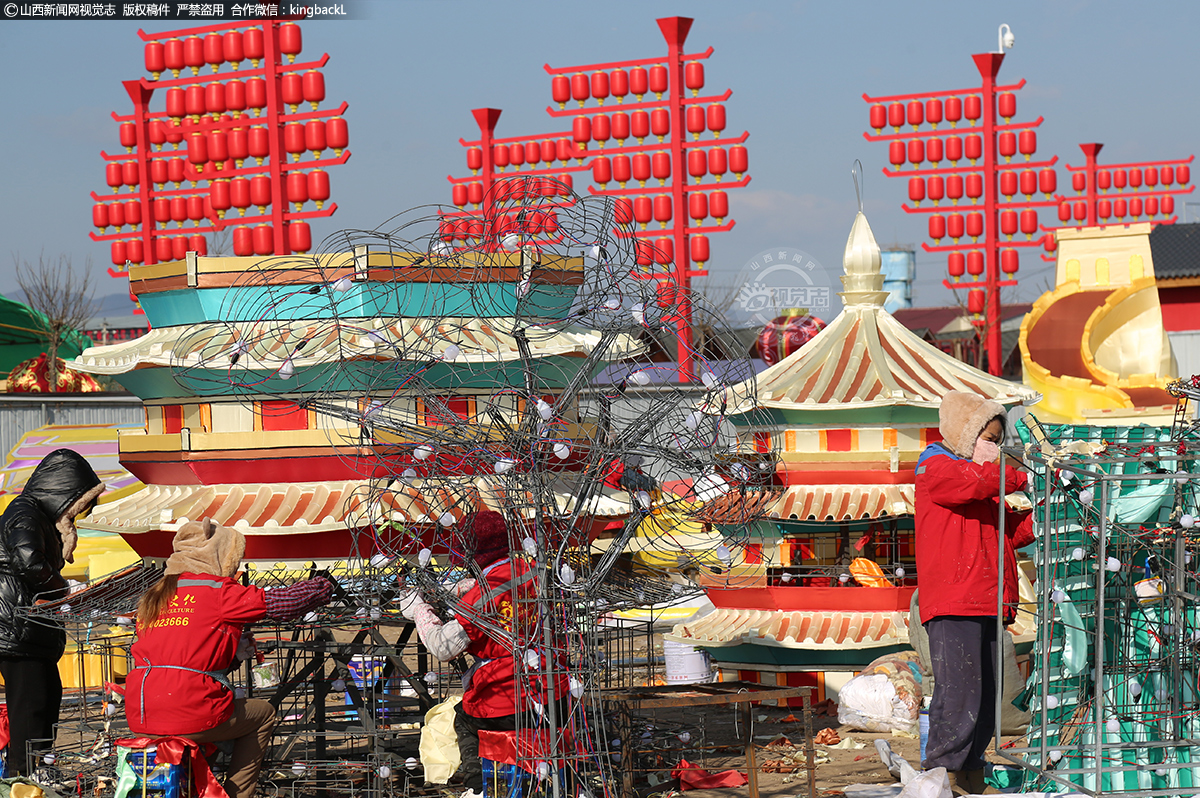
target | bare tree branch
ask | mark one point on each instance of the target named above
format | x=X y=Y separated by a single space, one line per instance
x=62 y=295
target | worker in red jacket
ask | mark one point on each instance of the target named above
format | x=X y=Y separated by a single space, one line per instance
x=958 y=506
x=189 y=627
x=494 y=625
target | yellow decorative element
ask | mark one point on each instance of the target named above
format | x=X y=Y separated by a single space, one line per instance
x=1101 y=271
x=868 y=573
x=789 y=438
x=1072 y=270
x=1124 y=343
x=890 y=438
x=1137 y=269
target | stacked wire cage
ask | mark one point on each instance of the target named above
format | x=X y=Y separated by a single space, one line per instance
x=1113 y=686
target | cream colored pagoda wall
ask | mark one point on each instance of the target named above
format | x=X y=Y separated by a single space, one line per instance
x=1111 y=257
x=232 y=417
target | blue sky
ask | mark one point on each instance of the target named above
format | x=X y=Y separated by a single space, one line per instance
x=411 y=70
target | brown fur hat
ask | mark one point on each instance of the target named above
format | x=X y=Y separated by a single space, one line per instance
x=961 y=419
x=206 y=548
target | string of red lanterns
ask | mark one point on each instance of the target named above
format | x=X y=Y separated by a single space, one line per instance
x=227 y=136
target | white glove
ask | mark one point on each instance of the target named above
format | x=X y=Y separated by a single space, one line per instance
x=247 y=649
x=463 y=587
x=409 y=602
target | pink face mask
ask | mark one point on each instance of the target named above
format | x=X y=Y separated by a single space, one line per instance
x=985 y=451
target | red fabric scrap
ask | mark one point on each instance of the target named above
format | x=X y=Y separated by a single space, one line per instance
x=694 y=777
x=172 y=750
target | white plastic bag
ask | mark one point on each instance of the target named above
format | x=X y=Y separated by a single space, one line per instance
x=929 y=784
x=869 y=702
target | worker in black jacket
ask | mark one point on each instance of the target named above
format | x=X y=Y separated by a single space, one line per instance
x=37 y=533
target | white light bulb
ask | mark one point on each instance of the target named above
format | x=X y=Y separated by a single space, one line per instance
x=1058 y=596
x=562 y=451
x=594 y=252
x=110 y=709
x=566 y=574
x=1077 y=555
x=375 y=337
x=612 y=303
x=1055 y=756
x=543 y=771
x=544 y=409
x=1067 y=476
x=708 y=379
x=409 y=474
x=532 y=658
x=1051 y=702
x=423 y=557
x=504 y=465
x=693 y=419
x=298 y=768
x=385 y=772
x=685 y=737
x=529 y=546
x=1187 y=520
x=576 y=687
x=1113 y=564
x=638 y=312
x=643 y=499
x=723 y=554
x=339 y=685
x=1160 y=771
x=785 y=578
x=1113 y=726
x=451 y=353
x=311 y=617
x=423 y=452
x=411 y=763
x=379 y=561
x=431 y=677
x=123 y=621
x=1086 y=496
x=640 y=377
x=446 y=519
x=376 y=613
x=286 y=370
x=1182 y=476
x=342 y=285
x=710 y=486
x=511 y=241
x=900 y=572
x=844 y=578
x=1135 y=689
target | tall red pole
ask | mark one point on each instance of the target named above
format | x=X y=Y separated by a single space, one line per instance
x=487 y=118
x=989 y=66
x=675 y=31
x=1090 y=151
x=141 y=110
x=271 y=56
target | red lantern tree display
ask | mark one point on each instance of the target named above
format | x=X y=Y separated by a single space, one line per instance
x=641 y=120
x=1120 y=193
x=229 y=134
x=999 y=183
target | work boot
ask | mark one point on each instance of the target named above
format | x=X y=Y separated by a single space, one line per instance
x=960 y=782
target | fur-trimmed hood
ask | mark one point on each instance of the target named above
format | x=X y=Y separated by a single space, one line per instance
x=206 y=548
x=962 y=417
x=64 y=485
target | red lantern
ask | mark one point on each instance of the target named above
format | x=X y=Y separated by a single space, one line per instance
x=116 y=213
x=1048 y=181
x=581 y=131
x=664 y=251
x=474 y=159
x=1120 y=208
x=1183 y=174
x=1135 y=178
x=1029 y=222
x=639 y=82
x=618 y=84
x=314 y=136
x=1104 y=209
x=936 y=186
x=178 y=209
x=195 y=207
x=1103 y=180
x=474 y=193
x=260 y=191
x=100 y=215
x=337 y=134
x=621 y=169
x=641 y=167
x=299 y=237
x=516 y=155
x=975 y=298
x=197 y=244
x=1027 y=143
x=643 y=210
x=896 y=116
x=974 y=263
x=1167 y=205
x=1119 y=179
x=974 y=147
x=1167 y=174
x=1151 y=206
x=662 y=208
x=1029 y=183
x=660 y=123
x=717 y=163
x=695 y=121
x=933 y=151
x=264 y=239
x=1049 y=242
x=620 y=126
x=128 y=136
x=601 y=129
x=897 y=153
x=1007 y=102
x=533 y=152
x=916 y=190
x=697 y=162
x=933 y=112
x=313 y=86
x=975 y=224
x=916 y=152
x=293 y=140
x=259 y=143
x=639 y=124
x=1080 y=211
x=500 y=155
x=133 y=213
x=956 y=265
x=601 y=170
x=878 y=117
x=1078 y=181
x=623 y=210
x=715 y=117
x=1007 y=144
x=176 y=103
x=699 y=246
x=134 y=251
x=718 y=205
x=1008 y=223
x=254 y=45
x=1010 y=261
x=916 y=113
x=1064 y=212
x=658 y=80
x=173 y=56
x=179 y=247
x=1151 y=178
x=693 y=76
x=214 y=98
x=214 y=50
x=193 y=53
x=218 y=197
x=954 y=149
x=289 y=44
x=256 y=94
x=195 y=101
x=560 y=90
x=235 y=96
x=175 y=171
x=231 y=44
x=600 y=86
x=973 y=108
x=1008 y=182
x=1135 y=206
x=698 y=206
x=581 y=88
x=954 y=110
x=645 y=252
x=243 y=241
x=661 y=166
x=974 y=186
x=458 y=194
x=162 y=249
x=118 y=253
x=155 y=61
x=955 y=226
x=197 y=148
x=218 y=147
x=937 y=227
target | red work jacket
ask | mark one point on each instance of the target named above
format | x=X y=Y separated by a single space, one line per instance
x=957 y=531
x=196 y=634
x=504 y=597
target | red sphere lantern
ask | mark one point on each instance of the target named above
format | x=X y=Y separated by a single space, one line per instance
x=662 y=208
x=260 y=191
x=560 y=90
x=975 y=224
x=639 y=81
x=664 y=251
x=600 y=86
x=173 y=56
x=897 y=154
x=299 y=237
x=601 y=129
x=313 y=86
x=956 y=265
x=118 y=253
x=1010 y=261
x=474 y=193
x=337 y=134
x=134 y=251
x=622 y=169
x=214 y=50
x=700 y=251
x=718 y=205
x=933 y=151
x=193 y=53
x=581 y=131
x=1151 y=178
x=693 y=76
x=973 y=108
x=1080 y=209
x=601 y=170
x=623 y=210
x=954 y=110
x=937 y=227
x=1183 y=174
x=916 y=152
x=878 y=117
x=695 y=121
x=133 y=213
x=1008 y=182
x=1027 y=143
x=1135 y=206
x=660 y=123
x=1167 y=204
x=1006 y=142
x=1008 y=223
x=243 y=241
x=100 y=215
x=661 y=166
x=697 y=162
x=156 y=62
x=235 y=96
x=116 y=213
x=618 y=84
x=916 y=190
x=974 y=263
x=658 y=80
x=1151 y=206
x=264 y=239
x=1104 y=209
x=256 y=94
x=954 y=149
x=1029 y=183
x=936 y=187
x=975 y=299
x=290 y=42
x=974 y=147
x=698 y=206
x=974 y=186
x=933 y=112
x=1048 y=181
x=1029 y=222
x=786 y=334
x=1007 y=103
x=955 y=226
x=1120 y=208
x=643 y=211
x=1078 y=181
x=233 y=48
x=896 y=116
x=915 y=113
x=641 y=167
x=1064 y=212
x=639 y=125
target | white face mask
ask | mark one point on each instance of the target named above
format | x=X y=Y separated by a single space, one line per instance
x=985 y=451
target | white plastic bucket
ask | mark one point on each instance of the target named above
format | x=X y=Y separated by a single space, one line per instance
x=686 y=664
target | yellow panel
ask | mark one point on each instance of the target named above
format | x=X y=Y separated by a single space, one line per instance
x=1137 y=268
x=1072 y=270
x=1102 y=271
x=790 y=440
x=853 y=440
x=890 y=438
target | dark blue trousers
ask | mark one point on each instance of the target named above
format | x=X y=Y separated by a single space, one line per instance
x=962 y=717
